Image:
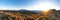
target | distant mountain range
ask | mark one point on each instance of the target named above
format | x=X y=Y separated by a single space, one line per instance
x=24 y=10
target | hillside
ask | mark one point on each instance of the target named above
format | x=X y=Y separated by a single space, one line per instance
x=52 y=14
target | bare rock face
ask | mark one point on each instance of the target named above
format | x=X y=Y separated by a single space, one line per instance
x=53 y=15
x=3 y=17
x=17 y=15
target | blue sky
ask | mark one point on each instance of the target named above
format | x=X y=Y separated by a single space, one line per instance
x=15 y=3
x=29 y=4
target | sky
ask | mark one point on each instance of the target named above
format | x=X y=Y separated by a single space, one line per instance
x=29 y=4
